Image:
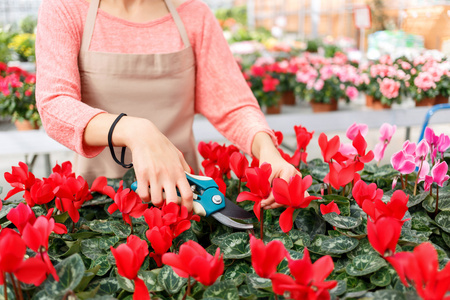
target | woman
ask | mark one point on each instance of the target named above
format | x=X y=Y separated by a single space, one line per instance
x=160 y=63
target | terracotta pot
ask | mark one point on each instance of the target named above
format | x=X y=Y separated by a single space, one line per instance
x=324 y=107
x=25 y=125
x=426 y=102
x=273 y=110
x=288 y=98
x=441 y=99
x=377 y=105
x=369 y=101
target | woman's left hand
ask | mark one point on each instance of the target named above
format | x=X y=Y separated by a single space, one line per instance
x=264 y=149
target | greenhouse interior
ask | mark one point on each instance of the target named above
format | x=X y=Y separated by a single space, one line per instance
x=292 y=149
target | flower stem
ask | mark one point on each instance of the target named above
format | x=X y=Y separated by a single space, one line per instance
x=239 y=186
x=417 y=178
x=403 y=183
x=329 y=189
x=16 y=292
x=46 y=207
x=261 y=219
x=437 y=200
x=300 y=161
x=5 y=288
x=188 y=290
x=131 y=225
x=276 y=296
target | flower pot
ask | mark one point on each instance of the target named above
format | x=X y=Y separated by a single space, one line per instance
x=288 y=98
x=319 y=107
x=425 y=102
x=441 y=99
x=369 y=101
x=25 y=125
x=377 y=105
x=273 y=110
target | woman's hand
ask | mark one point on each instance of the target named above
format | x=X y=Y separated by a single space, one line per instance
x=264 y=149
x=157 y=162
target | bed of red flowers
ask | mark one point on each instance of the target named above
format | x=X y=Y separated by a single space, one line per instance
x=360 y=231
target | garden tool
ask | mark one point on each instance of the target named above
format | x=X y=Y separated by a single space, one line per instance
x=209 y=201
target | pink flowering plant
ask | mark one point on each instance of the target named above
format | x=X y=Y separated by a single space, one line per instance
x=17 y=94
x=322 y=80
x=385 y=81
x=430 y=78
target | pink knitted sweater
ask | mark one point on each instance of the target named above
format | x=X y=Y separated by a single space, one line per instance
x=222 y=94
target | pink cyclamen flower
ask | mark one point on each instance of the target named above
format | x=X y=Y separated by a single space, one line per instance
x=389 y=88
x=443 y=143
x=353 y=130
x=386 y=133
x=402 y=162
x=438 y=175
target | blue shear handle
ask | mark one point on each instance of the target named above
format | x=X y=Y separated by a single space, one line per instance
x=211 y=199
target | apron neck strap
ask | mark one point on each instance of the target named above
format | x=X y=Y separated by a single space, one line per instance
x=89 y=25
x=178 y=22
x=92 y=14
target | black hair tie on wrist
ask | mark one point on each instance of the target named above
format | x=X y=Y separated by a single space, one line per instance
x=111 y=148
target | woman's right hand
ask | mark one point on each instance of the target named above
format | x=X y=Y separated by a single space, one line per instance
x=157 y=162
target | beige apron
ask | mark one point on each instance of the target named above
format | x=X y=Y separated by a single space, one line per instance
x=158 y=87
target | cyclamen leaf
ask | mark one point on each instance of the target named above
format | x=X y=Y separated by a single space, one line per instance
x=236 y=272
x=70 y=271
x=104 y=264
x=171 y=282
x=236 y=246
x=388 y=295
x=382 y=277
x=339 y=245
x=342 y=221
x=222 y=290
x=365 y=264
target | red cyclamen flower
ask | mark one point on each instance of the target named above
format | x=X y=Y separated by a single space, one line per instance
x=266 y=258
x=341 y=174
x=362 y=192
x=161 y=240
x=395 y=208
x=259 y=185
x=12 y=254
x=383 y=234
x=293 y=196
x=308 y=281
x=421 y=268
x=71 y=194
x=328 y=148
x=129 y=258
x=303 y=137
x=21 y=180
x=329 y=208
x=193 y=260
x=239 y=164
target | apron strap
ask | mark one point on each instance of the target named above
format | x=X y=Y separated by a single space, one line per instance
x=89 y=25
x=92 y=14
x=178 y=22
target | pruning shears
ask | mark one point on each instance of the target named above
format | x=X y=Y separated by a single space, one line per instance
x=209 y=201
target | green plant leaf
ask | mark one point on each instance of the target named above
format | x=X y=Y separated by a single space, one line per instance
x=443 y=220
x=107 y=286
x=256 y=282
x=171 y=282
x=100 y=226
x=275 y=235
x=339 y=245
x=388 y=295
x=6 y=209
x=151 y=280
x=283 y=267
x=70 y=271
x=236 y=272
x=316 y=244
x=415 y=200
x=222 y=290
x=236 y=246
x=342 y=202
x=365 y=264
x=87 y=277
x=342 y=221
x=364 y=247
x=120 y=229
x=310 y=222
x=355 y=285
x=340 y=288
x=382 y=277
x=104 y=264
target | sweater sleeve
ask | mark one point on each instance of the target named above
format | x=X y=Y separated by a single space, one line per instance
x=222 y=94
x=58 y=95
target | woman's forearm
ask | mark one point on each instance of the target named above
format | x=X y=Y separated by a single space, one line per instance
x=263 y=147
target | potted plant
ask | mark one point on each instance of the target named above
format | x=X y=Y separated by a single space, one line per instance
x=264 y=87
x=17 y=97
x=423 y=88
x=285 y=71
x=326 y=84
x=23 y=45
